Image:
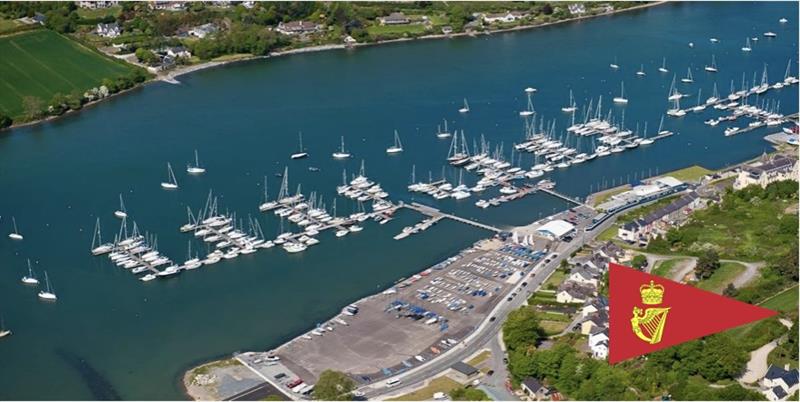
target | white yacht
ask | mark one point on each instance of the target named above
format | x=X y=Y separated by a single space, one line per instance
x=172 y=183
x=621 y=98
x=663 y=67
x=47 y=294
x=341 y=153
x=746 y=47
x=641 y=72
x=713 y=67
x=196 y=169
x=3 y=331
x=688 y=79
x=529 y=110
x=15 y=234
x=464 y=109
x=783 y=20
x=572 y=107
x=770 y=34
x=445 y=133
x=614 y=65
x=122 y=212
x=148 y=278
x=30 y=279
x=301 y=153
x=397 y=147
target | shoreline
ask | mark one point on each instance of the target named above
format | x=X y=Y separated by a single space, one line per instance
x=171 y=76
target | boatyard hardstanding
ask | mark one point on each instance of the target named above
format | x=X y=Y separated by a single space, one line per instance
x=650 y=313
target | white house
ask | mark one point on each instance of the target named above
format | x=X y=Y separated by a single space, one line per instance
x=92 y=5
x=577 y=9
x=203 y=30
x=601 y=303
x=111 y=30
x=499 y=17
x=298 y=27
x=394 y=19
x=600 y=350
x=570 y=292
x=779 y=382
x=583 y=276
x=597 y=336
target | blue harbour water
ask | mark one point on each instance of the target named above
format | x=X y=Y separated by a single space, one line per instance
x=112 y=336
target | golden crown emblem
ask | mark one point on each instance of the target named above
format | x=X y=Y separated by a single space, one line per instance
x=652 y=293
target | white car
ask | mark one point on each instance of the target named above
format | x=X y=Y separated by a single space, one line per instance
x=419 y=358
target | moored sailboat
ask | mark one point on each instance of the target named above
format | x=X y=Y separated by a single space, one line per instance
x=196 y=169
x=47 y=294
x=397 y=147
x=15 y=234
x=341 y=153
x=30 y=279
x=301 y=153
x=464 y=109
x=172 y=183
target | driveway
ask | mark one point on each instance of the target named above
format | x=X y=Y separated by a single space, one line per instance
x=757 y=366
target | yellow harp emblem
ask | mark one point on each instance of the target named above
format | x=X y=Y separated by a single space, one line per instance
x=648 y=324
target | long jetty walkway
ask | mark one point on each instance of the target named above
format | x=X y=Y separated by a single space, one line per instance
x=437 y=214
x=563 y=197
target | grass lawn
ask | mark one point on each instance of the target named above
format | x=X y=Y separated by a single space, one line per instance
x=441 y=384
x=553 y=316
x=553 y=327
x=784 y=301
x=99 y=13
x=396 y=29
x=664 y=267
x=691 y=173
x=480 y=358
x=7 y=25
x=41 y=63
x=726 y=273
x=232 y=57
x=609 y=233
x=554 y=280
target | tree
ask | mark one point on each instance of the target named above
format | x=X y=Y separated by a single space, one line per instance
x=146 y=56
x=334 y=386
x=639 y=262
x=468 y=394
x=521 y=328
x=33 y=106
x=729 y=291
x=707 y=264
x=5 y=121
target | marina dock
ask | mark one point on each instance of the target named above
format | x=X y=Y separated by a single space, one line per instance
x=437 y=214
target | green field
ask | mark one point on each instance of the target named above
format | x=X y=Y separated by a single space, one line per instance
x=784 y=301
x=396 y=29
x=691 y=173
x=726 y=273
x=441 y=384
x=664 y=267
x=42 y=63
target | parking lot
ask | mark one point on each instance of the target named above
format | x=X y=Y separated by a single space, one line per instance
x=417 y=319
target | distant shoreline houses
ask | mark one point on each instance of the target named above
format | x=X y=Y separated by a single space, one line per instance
x=298 y=28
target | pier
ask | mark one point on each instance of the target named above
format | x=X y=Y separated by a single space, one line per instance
x=563 y=197
x=437 y=214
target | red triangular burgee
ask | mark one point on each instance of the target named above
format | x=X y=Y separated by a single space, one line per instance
x=693 y=313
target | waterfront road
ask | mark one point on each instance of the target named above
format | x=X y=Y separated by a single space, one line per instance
x=492 y=325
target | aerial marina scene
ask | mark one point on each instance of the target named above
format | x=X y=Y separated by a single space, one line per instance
x=395 y=200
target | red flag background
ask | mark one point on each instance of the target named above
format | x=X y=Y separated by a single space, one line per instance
x=694 y=313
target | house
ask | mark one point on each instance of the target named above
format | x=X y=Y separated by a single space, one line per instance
x=176 y=52
x=473 y=25
x=571 y=292
x=598 y=304
x=600 y=350
x=612 y=252
x=463 y=372
x=766 y=171
x=111 y=30
x=584 y=276
x=593 y=321
x=605 y=8
x=499 y=17
x=394 y=19
x=661 y=220
x=447 y=29
x=349 y=40
x=92 y=5
x=39 y=18
x=298 y=27
x=779 y=382
x=167 y=5
x=577 y=9
x=534 y=389
x=203 y=30
x=598 y=335
x=248 y=4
